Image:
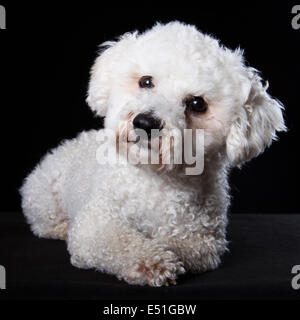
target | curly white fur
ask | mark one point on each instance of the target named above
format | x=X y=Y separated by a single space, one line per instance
x=144 y=225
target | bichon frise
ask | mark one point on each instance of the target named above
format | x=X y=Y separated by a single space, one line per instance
x=149 y=223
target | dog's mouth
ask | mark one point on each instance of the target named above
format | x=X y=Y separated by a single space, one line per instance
x=142 y=139
x=149 y=143
x=155 y=149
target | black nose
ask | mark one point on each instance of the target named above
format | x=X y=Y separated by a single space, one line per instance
x=147 y=121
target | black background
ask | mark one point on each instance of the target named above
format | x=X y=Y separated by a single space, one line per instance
x=46 y=53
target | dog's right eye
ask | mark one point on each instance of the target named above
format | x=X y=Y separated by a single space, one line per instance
x=196 y=104
x=146 y=82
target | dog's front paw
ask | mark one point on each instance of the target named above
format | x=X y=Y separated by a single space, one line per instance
x=158 y=270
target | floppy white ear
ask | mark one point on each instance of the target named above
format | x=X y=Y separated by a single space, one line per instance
x=104 y=70
x=256 y=125
x=99 y=85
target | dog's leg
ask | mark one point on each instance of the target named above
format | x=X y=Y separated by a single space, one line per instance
x=41 y=201
x=198 y=252
x=98 y=240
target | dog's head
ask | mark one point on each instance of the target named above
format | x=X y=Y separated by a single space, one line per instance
x=172 y=78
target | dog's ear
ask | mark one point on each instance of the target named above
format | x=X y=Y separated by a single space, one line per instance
x=99 y=85
x=255 y=126
x=104 y=71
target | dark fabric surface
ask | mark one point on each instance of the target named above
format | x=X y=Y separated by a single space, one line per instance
x=263 y=249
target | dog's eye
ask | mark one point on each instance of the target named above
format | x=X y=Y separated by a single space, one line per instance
x=146 y=82
x=196 y=104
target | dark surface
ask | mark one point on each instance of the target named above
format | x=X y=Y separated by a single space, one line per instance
x=263 y=249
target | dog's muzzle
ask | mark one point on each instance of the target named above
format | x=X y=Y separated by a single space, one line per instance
x=146 y=121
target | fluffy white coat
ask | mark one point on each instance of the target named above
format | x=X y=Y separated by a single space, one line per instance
x=145 y=225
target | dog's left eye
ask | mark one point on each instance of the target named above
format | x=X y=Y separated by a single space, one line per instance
x=146 y=82
x=196 y=104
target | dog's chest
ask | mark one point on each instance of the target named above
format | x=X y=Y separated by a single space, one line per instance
x=156 y=204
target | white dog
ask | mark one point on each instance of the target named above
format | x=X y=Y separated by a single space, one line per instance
x=147 y=224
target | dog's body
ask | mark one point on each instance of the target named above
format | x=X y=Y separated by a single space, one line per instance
x=142 y=224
